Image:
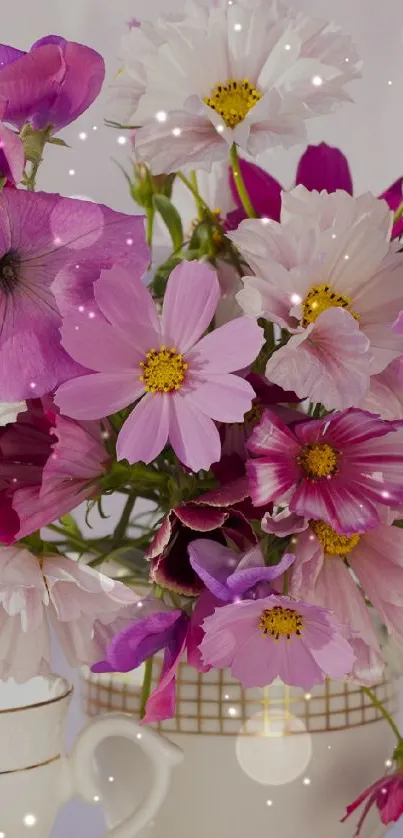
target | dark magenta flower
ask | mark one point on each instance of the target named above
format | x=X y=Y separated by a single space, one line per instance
x=386 y=794
x=51 y=85
x=321 y=167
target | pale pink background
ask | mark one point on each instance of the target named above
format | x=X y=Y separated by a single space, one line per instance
x=370 y=132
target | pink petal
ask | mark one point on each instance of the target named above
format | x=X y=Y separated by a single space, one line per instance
x=328 y=362
x=297 y=666
x=31 y=83
x=125 y=301
x=342 y=506
x=336 y=658
x=145 y=432
x=98 y=395
x=199 y=144
x=269 y=481
x=161 y=539
x=225 y=398
x=12 y=155
x=190 y=301
x=193 y=436
x=283 y=523
x=271 y=436
x=98 y=346
x=201 y=518
x=230 y=348
x=324 y=167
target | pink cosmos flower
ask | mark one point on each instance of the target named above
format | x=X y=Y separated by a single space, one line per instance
x=329 y=274
x=52 y=249
x=335 y=470
x=386 y=794
x=52 y=84
x=48 y=465
x=260 y=640
x=53 y=591
x=269 y=69
x=184 y=380
x=375 y=557
x=385 y=394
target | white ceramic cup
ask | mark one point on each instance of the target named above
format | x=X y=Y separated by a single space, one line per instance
x=37 y=777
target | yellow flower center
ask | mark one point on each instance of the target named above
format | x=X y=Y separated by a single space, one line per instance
x=281 y=622
x=318 y=460
x=233 y=100
x=320 y=298
x=332 y=542
x=163 y=370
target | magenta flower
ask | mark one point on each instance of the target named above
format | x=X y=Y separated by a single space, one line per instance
x=46 y=465
x=12 y=154
x=335 y=470
x=55 y=591
x=157 y=627
x=184 y=380
x=321 y=167
x=386 y=794
x=262 y=639
x=51 y=251
x=52 y=84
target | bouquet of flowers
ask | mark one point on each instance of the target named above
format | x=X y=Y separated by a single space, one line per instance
x=246 y=390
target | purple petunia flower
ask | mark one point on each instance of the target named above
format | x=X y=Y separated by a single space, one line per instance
x=51 y=251
x=51 y=85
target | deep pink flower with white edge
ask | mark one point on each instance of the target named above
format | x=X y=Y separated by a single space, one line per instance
x=260 y=640
x=335 y=470
x=269 y=69
x=330 y=275
x=386 y=794
x=185 y=380
x=320 y=575
x=58 y=593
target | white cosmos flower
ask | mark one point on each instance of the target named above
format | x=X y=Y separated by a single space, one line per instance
x=249 y=72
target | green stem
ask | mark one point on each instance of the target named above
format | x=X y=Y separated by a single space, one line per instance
x=120 y=530
x=75 y=541
x=150 y=225
x=316 y=413
x=197 y=197
x=378 y=704
x=240 y=183
x=286 y=583
x=146 y=688
x=193 y=189
x=398 y=214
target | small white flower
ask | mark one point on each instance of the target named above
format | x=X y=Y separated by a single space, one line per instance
x=248 y=72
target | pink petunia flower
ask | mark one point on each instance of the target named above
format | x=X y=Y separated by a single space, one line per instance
x=36 y=594
x=52 y=249
x=184 y=380
x=48 y=466
x=335 y=470
x=329 y=275
x=269 y=69
x=386 y=794
x=260 y=640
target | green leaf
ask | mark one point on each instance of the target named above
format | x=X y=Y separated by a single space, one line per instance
x=70 y=525
x=58 y=141
x=171 y=218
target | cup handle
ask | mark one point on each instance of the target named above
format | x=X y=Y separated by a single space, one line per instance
x=164 y=755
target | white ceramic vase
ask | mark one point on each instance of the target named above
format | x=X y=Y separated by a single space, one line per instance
x=257 y=762
x=37 y=777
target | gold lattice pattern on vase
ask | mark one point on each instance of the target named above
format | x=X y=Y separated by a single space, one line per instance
x=215 y=703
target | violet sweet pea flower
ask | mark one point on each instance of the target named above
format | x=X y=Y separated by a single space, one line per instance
x=12 y=154
x=51 y=85
x=230 y=576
